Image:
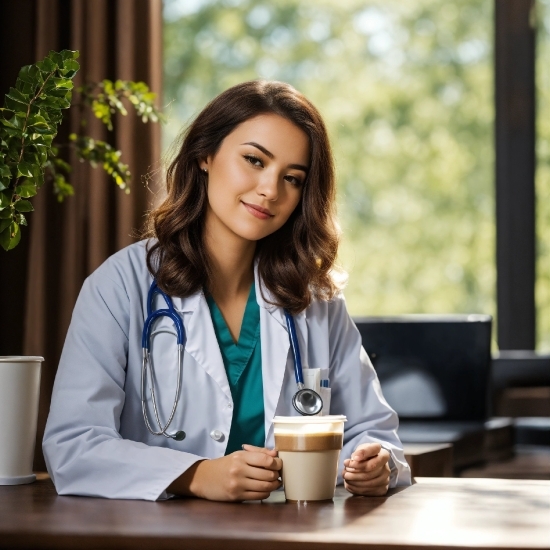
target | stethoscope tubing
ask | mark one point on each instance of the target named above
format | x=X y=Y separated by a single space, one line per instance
x=298 y=372
x=147 y=363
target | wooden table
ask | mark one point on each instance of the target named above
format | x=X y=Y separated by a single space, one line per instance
x=436 y=512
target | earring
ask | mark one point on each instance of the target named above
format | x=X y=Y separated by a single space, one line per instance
x=205 y=170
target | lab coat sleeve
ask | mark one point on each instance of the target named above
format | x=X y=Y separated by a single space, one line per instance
x=84 y=451
x=356 y=393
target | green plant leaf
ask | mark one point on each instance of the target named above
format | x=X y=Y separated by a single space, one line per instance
x=56 y=57
x=5 y=198
x=46 y=65
x=24 y=169
x=10 y=237
x=62 y=188
x=68 y=55
x=23 y=206
x=15 y=105
x=5 y=171
x=26 y=190
x=4 y=224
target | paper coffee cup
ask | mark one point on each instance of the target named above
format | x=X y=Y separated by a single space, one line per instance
x=19 y=394
x=309 y=447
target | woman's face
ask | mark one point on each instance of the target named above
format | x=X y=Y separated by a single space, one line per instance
x=255 y=179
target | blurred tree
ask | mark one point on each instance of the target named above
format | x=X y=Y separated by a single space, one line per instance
x=406 y=91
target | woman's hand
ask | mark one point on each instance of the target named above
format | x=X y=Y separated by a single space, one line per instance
x=250 y=474
x=367 y=472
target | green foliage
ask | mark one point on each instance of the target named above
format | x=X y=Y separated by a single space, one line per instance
x=28 y=124
x=101 y=153
x=106 y=98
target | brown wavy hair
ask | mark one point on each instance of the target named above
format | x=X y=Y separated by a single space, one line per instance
x=296 y=261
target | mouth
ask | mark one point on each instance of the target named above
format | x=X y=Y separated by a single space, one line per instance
x=258 y=211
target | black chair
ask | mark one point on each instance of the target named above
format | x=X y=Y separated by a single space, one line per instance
x=435 y=372
x=523 y=369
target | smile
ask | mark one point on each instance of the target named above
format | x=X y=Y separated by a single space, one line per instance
x=258 y=211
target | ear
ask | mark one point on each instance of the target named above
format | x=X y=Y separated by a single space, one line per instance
x=203 y=164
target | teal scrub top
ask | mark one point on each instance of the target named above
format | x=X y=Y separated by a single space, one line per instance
x=243 y=365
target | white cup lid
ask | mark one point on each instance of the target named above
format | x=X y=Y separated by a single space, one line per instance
x=20 y=358
x=309 y=419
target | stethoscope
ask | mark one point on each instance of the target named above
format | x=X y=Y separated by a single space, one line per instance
x=306 y=401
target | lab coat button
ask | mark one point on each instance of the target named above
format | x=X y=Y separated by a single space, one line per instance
x=216 y=435
x=230 y=405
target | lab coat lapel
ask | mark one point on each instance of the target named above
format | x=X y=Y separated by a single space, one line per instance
x=276 y=355
x=202 y=343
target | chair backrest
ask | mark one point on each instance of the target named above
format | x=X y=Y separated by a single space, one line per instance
x=431 y=366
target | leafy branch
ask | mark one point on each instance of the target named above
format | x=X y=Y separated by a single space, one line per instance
x=105 y=99
x=28 y=126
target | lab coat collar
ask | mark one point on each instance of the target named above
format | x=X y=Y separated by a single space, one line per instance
x=264 y=297
x=188 y=304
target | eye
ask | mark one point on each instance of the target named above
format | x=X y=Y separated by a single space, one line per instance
x=296 y=182
x=255 y=161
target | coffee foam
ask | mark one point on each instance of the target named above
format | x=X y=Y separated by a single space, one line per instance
x=308 y=442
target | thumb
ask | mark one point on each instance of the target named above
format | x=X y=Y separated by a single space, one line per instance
x=366 y=451
x=252 y=448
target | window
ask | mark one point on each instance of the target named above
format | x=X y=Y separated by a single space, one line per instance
x=406 y=89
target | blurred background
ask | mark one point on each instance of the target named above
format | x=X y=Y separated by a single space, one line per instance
x=407 y=91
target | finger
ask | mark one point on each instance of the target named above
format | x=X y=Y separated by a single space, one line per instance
x=367 y=479
x=372 y=463
x=262 y=460
x=365 y=451
x=259 y=486
x=381 y=481
x=270 y=452
x=261 y=474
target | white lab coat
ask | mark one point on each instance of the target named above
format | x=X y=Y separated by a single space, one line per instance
x=96 y=442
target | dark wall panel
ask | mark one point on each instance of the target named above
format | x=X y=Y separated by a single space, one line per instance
x=515 y=172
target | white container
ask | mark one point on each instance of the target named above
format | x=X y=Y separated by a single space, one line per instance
x=309 y=447
x=19 y=394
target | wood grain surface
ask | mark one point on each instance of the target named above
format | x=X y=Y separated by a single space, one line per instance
x=435 y=512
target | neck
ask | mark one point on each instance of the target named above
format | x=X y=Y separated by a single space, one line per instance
x=232 y=264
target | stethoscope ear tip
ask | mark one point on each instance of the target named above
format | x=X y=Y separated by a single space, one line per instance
x=179 y=435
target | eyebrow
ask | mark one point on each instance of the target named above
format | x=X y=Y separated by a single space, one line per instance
x=271 y=155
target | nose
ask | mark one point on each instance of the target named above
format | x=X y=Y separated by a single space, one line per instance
x=268 y=186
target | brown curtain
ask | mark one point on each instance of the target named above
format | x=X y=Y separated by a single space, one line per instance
x=117 y=39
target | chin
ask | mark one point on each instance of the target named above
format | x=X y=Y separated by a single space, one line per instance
x=252 y=234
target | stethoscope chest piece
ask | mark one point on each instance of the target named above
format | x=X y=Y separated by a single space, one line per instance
x=179 y=435
x=307 y=402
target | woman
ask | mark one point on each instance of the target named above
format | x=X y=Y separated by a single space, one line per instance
x=246 y=231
